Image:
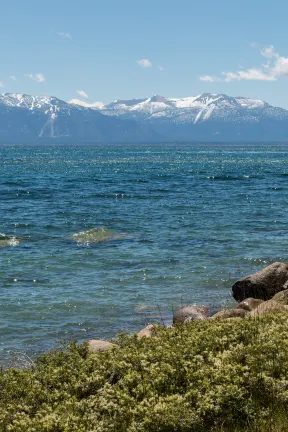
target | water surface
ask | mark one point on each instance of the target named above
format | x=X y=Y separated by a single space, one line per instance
x=171 y=224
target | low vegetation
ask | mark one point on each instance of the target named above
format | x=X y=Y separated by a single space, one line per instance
x=213 y=375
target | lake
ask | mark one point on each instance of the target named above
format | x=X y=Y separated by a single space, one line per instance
x=168 y=225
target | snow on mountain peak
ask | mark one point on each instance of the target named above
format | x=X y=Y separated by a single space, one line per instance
x=187 y=110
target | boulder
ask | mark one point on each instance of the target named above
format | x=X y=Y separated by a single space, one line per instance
x=147 y=332
x=249 y=304
x=190 y=313
x=268 y=307
x=97 y=345
x=234 y=319
x=262 y=285
x=281 y=297
x=229 y=313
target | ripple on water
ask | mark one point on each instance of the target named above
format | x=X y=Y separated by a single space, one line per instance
x=115 y=237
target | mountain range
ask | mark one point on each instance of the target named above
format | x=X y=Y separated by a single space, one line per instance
x=204 y=118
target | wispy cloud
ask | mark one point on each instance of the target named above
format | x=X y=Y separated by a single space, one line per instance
x=252 y=74
x=1 y=84
x=208 y=78
x=82 y=93
x=144 y=63
x=161 y=68
x=65 y=35
x=275 y=67
x=38 y=77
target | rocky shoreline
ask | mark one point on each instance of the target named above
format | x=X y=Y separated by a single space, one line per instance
x=261 y=293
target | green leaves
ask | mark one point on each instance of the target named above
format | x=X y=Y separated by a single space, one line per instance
x=202 y=376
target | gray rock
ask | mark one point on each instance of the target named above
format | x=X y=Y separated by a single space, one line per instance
x=97 y=345
x=281 y=297
x=268 y=307
x=147 y=332
x=229 y=313
x=96 y=235
x=190 y=313
x=262 y=285
x=249 y=304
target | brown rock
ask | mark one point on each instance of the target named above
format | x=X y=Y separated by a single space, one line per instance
x=148 y=331
x=229 y=313
x=281 y=297
x=96 y=345
x=262 y=285
x=268 y=307
x=190 y=313
x=249 y=304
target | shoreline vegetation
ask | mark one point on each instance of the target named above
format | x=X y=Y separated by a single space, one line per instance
x=222 y=373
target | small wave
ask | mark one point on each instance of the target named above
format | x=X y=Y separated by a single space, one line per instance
x=229 y=177
x=96 y=235
x=7 y=240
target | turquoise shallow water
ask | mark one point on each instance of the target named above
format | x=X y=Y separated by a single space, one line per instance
x=182 y=223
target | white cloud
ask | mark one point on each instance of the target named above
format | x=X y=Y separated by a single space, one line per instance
x=268 y=52
x=275 y=67
x=65 y=35
x=161 y=68
x=85 y=104
x=1 y=84
x=248 y=75
x=254 y=44
x=82 y=93
x=38 y=77
x=208 y=78
x=145 y=63
x=12 y=77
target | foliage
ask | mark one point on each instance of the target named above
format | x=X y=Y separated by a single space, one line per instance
x=202 y=376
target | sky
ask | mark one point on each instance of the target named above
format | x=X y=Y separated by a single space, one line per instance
x=102 y=50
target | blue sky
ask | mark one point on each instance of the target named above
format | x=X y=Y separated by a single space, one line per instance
x=123 y=49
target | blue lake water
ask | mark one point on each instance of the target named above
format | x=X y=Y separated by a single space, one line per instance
x=183 y=223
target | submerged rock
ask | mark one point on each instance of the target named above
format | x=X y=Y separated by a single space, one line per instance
x=262 y=285
x=281 y=297
x=96 y=235
x=268 y=307
x=249 y=304
x=229 y=313
x=190 y=313
x=7 y=240
x=97 y=345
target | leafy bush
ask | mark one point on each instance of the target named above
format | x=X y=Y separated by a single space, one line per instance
x=202 y=376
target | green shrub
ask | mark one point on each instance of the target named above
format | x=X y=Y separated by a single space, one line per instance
x=202 y=376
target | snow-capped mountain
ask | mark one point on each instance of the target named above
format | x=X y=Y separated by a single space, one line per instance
x=25 y=118
x=206 y=117
x=197 y=109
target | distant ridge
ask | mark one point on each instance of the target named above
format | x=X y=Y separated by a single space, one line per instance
x=206 y=117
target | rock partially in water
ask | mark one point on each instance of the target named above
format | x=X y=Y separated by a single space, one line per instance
x=262 y=285
x=96 y=235
x=190 y=313
x=7 y=240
